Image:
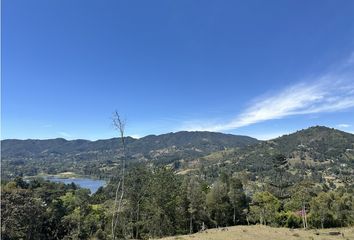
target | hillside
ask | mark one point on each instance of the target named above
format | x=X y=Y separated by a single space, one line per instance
x=267 y=233
x=30 y=157
x=311 y=185
x=317 y=152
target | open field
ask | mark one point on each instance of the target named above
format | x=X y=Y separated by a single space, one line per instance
x=263 y=232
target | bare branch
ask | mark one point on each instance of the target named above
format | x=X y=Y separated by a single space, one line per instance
x=119 y=124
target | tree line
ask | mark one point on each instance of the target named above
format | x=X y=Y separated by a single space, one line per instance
x=158 y=202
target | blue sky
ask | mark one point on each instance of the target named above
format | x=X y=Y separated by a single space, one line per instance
x=258 y=68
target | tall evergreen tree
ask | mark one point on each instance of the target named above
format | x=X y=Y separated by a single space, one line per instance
x=237 y=199
x=196 y=207
x=218 y=204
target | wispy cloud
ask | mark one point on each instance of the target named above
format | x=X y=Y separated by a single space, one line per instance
x=267 y=136
x=65 y=134
x=343 y=125
x=330 y=92
x=136 y=136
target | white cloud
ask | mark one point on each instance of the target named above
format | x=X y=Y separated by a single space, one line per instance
x=343 y=125
x=267 y=136
x=136 y=136
x=330 y=92
x=65 y=134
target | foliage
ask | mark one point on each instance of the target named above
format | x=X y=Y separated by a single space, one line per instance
x=22 y=215
x=330 y=209
x=264 y=207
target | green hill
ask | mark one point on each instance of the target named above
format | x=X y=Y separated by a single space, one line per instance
x=100 y=158
x=317 y=152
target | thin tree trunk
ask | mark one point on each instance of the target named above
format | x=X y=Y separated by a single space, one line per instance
x=303 y=217
x=120 y=126
x=234 y=215
x=115 y=211
x=322 y=221
x=306 y=225
x=137 y=220
x=191 y=224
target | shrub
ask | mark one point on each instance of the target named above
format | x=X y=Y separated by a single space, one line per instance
x=293 y=220
x=288 y=219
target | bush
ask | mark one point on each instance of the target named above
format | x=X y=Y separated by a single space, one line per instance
x=288 y=219
x=293 y=221
x=281 y=219
x=325 y=221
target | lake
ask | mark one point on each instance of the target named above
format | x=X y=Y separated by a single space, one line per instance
x=92 y=184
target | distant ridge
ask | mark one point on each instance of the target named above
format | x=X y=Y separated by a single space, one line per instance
x=323 y=147
x=92 y=157
x=204 y=141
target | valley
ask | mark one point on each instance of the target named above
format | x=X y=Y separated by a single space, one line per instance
x=236 y=187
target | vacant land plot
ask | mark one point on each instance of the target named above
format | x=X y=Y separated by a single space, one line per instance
x=262 y=232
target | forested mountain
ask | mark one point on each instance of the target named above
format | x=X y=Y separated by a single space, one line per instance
x=29 y=157
x=320 y=148
x=319 y=152
x=300 y=180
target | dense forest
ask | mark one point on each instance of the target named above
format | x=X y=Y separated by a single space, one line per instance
x=158 y=202
x=301 y=180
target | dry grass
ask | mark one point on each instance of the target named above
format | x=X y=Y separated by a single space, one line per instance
x=263 y=233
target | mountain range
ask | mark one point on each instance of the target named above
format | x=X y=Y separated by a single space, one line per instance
x=322 y=148
x=55 y=155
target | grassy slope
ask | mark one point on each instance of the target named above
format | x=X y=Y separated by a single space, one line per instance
x=262 y=233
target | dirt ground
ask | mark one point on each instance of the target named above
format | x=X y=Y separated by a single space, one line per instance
x=259 y=232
